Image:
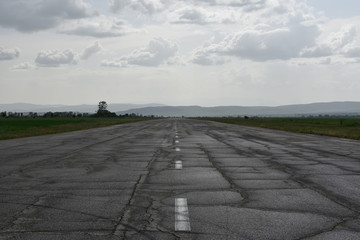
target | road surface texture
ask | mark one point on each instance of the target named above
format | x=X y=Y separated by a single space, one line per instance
x=179 y=179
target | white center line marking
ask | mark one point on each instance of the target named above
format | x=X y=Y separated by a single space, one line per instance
x=176 y=141
x=177 y=149
x=182 y=221
x=178 y=165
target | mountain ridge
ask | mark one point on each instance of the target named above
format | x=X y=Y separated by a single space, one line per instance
x=330 y=108
x=326 y=108
x=83 y=108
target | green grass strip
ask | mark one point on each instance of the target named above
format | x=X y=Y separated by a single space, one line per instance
x=26 y=127
x=336 y=127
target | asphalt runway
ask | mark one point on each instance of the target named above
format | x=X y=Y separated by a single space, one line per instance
x=179 y=179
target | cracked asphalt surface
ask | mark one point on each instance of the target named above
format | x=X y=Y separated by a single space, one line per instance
x=120 y=182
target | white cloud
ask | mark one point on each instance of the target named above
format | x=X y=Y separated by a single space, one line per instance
x=155 y=6
x=345 y=36
x=101 y=27
x=262 y=45
x=264 y=41
x=203 y=12
x=22 y=66
x=159 y=51
x=342 y=42
x=191 y=15
x=156 y=53
x=277 y=30
x=203 y=56
x=144 y=6
x=35 y=15
x=9 y=54
x=112 y=63
x=247 y=5
x=317 y=51
x=91 y=50
x=55 y=58
x=201 y=16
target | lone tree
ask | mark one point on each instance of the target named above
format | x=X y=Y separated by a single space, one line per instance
x=103 y=112
x=102 y=106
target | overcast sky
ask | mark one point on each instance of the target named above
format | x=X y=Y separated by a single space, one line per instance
x=190 y=52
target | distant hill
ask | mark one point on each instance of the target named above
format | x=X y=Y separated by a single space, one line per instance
x=331 y=108
x=85 y=108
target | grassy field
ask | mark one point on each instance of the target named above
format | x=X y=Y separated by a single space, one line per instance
x=26 y=127
x=337 y=127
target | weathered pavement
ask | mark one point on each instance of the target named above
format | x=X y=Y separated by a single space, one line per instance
x=123 y=182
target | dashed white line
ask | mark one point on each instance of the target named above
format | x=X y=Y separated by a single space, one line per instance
x=182 y=220
x=178 y=165
x=177 y=141
x=177 y=149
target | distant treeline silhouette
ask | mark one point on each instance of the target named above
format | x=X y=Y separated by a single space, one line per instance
x=70 y=114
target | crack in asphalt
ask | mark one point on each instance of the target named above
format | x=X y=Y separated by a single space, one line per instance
x=54 y=160
x=146 y=207
x=223 y=174
x=299 y=178
x=126 y=215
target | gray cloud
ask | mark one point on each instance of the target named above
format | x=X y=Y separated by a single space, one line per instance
x=263 y=45
x=92 y=31
x=144 y=6
x=252 y=5
x=246 y=5
x=159 y=51
x=99 y=28
x=344 y=42
x=23 y=66
x=117 y=5
x=342 y=38
x=112 y=63
x=318 y=51
x=338 y=43
x=207 y=58
x=154 y=6
x=91 y=50
x=353 y=52
x=192 y=15
x=326 y=61
x=156 y=53
x=36 y=15
x=9 y=54
x=55 y=58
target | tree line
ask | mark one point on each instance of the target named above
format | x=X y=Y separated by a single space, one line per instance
x=70 y=114
x=101 y=112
